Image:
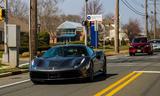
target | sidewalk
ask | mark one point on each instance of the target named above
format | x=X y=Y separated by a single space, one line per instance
x=113 y=53
x=8 y=71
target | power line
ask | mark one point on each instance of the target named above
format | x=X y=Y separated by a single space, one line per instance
x=137 y=3
x=132 y=6
x=132 y=9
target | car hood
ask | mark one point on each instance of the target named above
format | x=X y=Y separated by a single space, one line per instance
x=57 y=62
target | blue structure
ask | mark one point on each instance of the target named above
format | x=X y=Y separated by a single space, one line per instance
x=94 y=35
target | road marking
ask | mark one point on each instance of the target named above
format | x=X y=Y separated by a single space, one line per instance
x=115 y=84
x=12 y=84
x=124 y=84
x=152 y=72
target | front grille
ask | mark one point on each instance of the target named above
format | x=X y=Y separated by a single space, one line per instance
x=138 y=47
x=54 y=75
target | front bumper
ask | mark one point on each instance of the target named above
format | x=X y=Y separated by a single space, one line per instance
x=140 y=50
x=156 y=48
x=58 y=75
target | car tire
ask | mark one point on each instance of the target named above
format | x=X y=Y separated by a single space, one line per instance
x=91 y=72
x=134 y=54
x=130 y=54
x=151 y=53
x=104 y=66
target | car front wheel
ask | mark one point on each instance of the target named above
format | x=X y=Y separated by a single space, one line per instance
x=91 y=72
x=104 y=66
x=36 y=82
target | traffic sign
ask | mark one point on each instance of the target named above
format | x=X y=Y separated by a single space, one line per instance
x=94 y=17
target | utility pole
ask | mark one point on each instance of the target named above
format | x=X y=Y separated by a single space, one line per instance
x=117 y=27
x=146 y=18
x=155 y=19
x=86 y=29
x=33 y=29
x=5 y=58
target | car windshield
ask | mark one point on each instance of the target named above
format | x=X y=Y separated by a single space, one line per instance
x=139 y=40
x=66 y=51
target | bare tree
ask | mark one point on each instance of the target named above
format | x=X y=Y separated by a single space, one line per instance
x=108 y=20
x=94 y=7
x=132 y=29
x=18 y=8
x=47 y=10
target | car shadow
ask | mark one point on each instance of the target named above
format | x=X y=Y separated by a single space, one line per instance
x=98 y=78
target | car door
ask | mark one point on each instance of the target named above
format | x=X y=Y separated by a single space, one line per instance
x=92 y=54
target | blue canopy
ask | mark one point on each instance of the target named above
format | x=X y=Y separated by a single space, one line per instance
x=68 y=35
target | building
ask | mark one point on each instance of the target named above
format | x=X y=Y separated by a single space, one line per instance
x=24 y=28
x=122 y=34
x=69 y=31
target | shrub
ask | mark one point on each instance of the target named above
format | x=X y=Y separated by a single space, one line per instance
x=123 y=42
x=112 y=42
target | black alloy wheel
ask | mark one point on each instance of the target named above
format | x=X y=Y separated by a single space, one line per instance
x=104 y=66
x=91 y=72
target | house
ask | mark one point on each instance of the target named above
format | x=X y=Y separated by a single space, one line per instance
x=69 y=31
x=122 y=34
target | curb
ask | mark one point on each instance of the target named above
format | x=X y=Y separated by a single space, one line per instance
x=13 y=73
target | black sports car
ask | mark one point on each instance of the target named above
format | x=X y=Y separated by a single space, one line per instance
x=67 y=62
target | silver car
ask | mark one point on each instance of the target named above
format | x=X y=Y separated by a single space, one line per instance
x=156 y=44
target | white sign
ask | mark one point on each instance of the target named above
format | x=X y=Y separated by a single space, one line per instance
x=94 y=17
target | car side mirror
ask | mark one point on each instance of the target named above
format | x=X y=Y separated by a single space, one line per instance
x=98 y=54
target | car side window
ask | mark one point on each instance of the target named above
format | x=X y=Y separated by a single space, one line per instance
x=90 y=51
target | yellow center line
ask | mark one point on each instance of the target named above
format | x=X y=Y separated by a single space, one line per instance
x=115 y=84
x=124 y=84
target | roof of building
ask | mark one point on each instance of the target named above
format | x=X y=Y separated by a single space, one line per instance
x=69 y=25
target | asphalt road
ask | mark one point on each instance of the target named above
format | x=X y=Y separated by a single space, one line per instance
x=127 y=76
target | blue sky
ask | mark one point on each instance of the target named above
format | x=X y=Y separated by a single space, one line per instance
x=75 y=6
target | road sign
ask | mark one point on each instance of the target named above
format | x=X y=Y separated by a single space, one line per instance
x=94 y=17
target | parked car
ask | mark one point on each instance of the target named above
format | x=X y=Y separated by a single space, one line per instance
x=67 y=62
x=140 y=45
x=156 y=44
